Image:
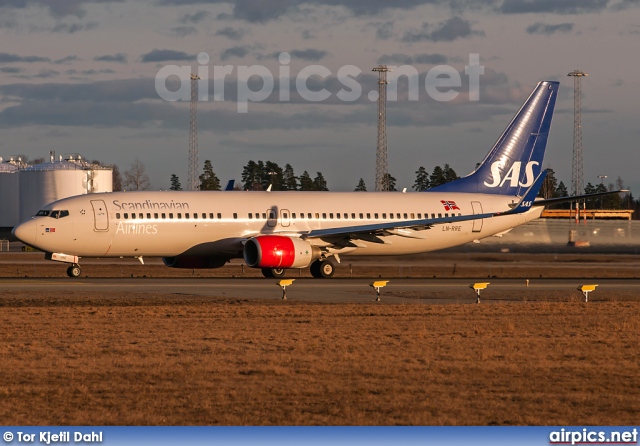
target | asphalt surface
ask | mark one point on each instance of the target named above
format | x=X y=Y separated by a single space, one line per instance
x=415 y=291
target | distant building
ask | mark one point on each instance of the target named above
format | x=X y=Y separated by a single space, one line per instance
x=24 y=189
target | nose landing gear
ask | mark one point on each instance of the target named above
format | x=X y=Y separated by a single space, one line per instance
x=74 y=270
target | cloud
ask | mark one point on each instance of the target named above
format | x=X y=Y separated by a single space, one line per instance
x=12 y=58
x=262 y=11
x=73 y=27
x=384 y=30
x=231 y=33
x=196 y=17
x=182 y=31
x=236 y=51
x=405 y=59
x=118 y=58
x=552 y=6
x=57 y=8
x=542 y=28
x=166 y=55
x=10 y=70
x=452 y=29
x=65 y=60
x=309 y=54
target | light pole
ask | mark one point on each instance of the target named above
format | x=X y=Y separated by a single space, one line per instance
x=602 y=178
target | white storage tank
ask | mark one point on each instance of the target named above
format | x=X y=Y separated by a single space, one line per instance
x=9 y=193
x=46 y=182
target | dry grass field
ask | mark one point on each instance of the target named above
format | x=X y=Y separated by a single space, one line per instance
x=106 y=359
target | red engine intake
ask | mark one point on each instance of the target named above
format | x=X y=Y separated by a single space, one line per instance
x=276 y=251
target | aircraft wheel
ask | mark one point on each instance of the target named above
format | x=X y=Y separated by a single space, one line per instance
x=74 y=271
x=322 y=269
x=274 y=272
x=326 y=269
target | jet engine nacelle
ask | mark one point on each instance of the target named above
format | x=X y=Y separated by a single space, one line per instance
x=277 y=251
x=194 y=262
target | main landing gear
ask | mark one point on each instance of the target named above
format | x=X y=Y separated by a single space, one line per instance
x=322 y=269
x=273 y=272
x=74 y=270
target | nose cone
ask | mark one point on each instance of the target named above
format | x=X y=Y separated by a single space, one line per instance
x=26 y=232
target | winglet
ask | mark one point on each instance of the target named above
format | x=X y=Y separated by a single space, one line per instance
x=529 y=197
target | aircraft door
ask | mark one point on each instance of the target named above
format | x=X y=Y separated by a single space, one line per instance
x=272 y=217
x=100 y=215
x=284 y=217
x=477 y=209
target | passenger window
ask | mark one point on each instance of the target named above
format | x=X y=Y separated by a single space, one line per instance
x=264 y=216
x=384 y=215
x=126 y=215
x=433 y=215
x=219 y=216
x=155 y=215
x=405 y=216
x=272 y=215
x=179 y=215
x=439 y=215
x=353 y=215
x=446 y=215
x=337 y=215
x=118 y=215
x=361 y=216
x=324 y=215
x=235 y=216
x=398 y=214
x=419 y=215
x=285 y=215
x=309 y=216
x=293 y=215
x=375 y=215
x=330 y=214
x=250 y=216
x=148 y=215
x=211 y=215
x=163 y=215
x=346 y=215
x=170 y=214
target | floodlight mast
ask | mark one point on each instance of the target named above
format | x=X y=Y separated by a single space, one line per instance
x=193 y=135
x=382 y=166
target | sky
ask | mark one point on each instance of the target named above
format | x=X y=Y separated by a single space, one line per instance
x=81 y=76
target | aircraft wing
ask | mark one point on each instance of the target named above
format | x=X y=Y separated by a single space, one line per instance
x=409 y=228
x=548 y=201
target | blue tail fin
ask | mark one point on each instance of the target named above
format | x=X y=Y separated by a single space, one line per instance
x=515 y=160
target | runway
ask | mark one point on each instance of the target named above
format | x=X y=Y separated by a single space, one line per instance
x=397 y=291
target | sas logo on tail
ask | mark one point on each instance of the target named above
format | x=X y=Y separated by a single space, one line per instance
x=513 y=175
x=449 y=205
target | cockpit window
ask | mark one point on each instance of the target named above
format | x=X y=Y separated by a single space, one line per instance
x=56 y=214
x=42 y=213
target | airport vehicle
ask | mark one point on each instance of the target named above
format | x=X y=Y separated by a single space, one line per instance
x=276 y=231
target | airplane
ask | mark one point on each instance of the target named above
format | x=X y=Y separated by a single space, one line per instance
x=276 y=231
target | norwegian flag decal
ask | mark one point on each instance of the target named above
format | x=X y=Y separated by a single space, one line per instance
x=449 y=205
x=49 y=229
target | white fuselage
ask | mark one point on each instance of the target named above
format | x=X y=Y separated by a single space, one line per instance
x=167 y=223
